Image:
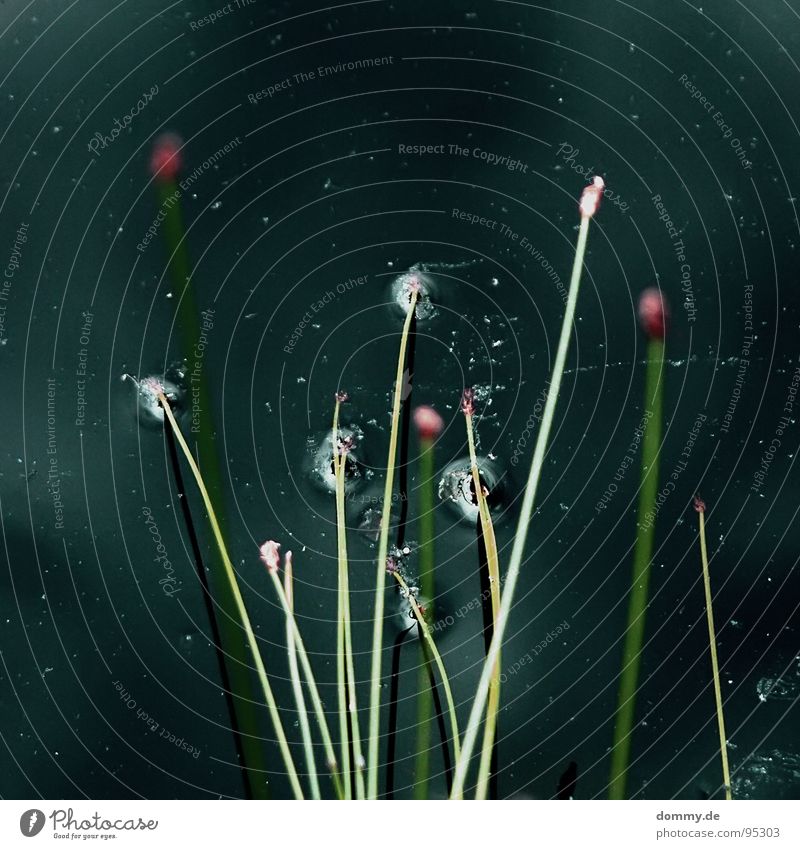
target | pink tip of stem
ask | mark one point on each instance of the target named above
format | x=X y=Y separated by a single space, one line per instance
x=341 y=396
x=165 y=159
x=590 y=199
x=653 y=313
x=699 y=504
x=468 y=402
x=428 y=422
x=270 y=555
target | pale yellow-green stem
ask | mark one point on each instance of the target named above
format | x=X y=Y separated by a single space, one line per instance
x=526 y=513
x=492 y=562
x=383 y=551
x=311 y=683
x=344 y=590
x=341 y=665
x=712 y=642
x=297 y=686
x=239 y=601
x=426 y=633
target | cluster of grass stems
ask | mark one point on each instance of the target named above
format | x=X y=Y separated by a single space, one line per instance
x=354 y=775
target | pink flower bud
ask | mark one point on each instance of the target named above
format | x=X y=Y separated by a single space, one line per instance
x=468 y=402
x=653 y=313
x=165 y=159
x=429 y=423
x=699 y=504
x=270 y=555
x=590 y=199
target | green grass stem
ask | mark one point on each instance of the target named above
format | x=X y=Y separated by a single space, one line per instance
x=712 y=643
x=297 y=686
x=526 y=513
x=244 y=619
x=642 y=557
x=383 y=550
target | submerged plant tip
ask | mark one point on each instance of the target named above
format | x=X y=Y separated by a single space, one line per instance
x=653 y=313
x=468 y=402
x=590 y=198
x=165 y=159
x=699 y=504
x=341 y=396
x=270 y=555
x=428 y=422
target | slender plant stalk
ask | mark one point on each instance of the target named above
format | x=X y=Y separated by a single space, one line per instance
x=383 y=550
x=316 y=701
x=297 y=687
x=642 y=555
x=493 y=567
x=187 y=322
x=426 y=633
x=427 y=583
x=208 y=600
x=394 y=692
x=240 y=606
x=526 y=513
x=712 y=643
x=344 y=592
x=341 y=664
x=437 y=706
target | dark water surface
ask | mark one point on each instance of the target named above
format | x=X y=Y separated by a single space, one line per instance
x=302 y=205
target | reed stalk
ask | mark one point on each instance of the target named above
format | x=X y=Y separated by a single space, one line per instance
x=165 y=165
x=341 y=664
x=426 y=633
x=233 y=583
x=297 y=687
x=383 y=551
x=700 y=507
x=429 y=425
x=642 y=556
x=493 y=568
x=588 y=206
x=340 y=463
x=270 y=559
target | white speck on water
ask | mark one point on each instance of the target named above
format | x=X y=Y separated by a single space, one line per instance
x=217 y=204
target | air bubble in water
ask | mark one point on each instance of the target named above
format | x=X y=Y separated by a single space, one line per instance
x=322 y=460
x=457 y=490
x=402 y=288
x=171 y=383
